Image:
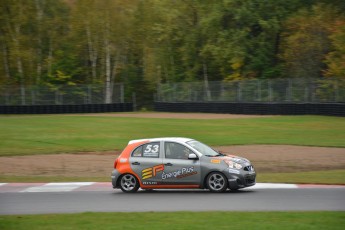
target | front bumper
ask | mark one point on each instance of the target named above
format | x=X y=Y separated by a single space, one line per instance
x=241 y=180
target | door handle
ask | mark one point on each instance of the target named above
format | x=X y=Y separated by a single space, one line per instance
x=135 y=163
x=168 y=164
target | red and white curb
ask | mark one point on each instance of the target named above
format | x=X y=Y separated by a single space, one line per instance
x=106 y=186
x=291 y=186
x=55 y=187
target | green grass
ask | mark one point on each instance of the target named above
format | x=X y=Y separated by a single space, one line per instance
x=179 y=220
x=316 y=177
x=47 y=134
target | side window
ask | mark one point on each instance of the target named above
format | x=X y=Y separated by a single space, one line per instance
x=147 y=150
x=176 y=151
x=138 y=152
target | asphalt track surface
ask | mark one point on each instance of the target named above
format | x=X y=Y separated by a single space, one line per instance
x=105 y=199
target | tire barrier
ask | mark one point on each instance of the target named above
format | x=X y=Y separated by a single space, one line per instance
x=329 y=109
x=54 y=109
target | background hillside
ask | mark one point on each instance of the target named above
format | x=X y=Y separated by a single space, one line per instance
x=144 y=43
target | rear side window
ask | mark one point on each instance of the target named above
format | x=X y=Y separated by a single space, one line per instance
x=138 y=152
x=147 y=150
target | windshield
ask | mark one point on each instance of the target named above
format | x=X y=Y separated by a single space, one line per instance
x=204 y=149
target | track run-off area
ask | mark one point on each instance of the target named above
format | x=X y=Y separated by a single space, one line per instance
x=40 y=198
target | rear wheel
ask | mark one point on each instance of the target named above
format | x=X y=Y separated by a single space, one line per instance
x=217 y=182
x=129 y=183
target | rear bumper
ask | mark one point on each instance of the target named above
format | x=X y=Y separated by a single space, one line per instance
x=115 y=175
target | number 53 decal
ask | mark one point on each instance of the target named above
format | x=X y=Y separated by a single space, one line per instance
x=151 y=149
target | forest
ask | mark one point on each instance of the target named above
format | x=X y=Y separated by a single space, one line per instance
x=142 y=43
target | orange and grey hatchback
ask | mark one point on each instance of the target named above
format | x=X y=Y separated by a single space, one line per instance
x=179 y=163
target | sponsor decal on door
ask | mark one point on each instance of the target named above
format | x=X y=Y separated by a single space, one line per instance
x=151 y=172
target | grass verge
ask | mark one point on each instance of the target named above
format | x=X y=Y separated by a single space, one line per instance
x=315 y=177
x=179 y=220
x=46 y=134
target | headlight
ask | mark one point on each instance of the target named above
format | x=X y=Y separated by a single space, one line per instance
x=233 y=164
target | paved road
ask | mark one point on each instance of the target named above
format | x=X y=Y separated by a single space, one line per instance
x=107 y=200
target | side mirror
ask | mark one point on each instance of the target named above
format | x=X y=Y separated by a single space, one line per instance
x=192 y=156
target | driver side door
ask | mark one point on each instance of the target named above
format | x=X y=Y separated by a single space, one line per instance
x=178 y=169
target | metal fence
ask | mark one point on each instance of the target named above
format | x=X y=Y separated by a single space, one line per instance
x=60 y=94
x=294 y=90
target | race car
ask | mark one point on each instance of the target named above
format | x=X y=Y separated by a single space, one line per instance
x=179 y=163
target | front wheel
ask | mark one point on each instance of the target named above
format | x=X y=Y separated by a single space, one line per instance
x=129 y=183
x=217 y=182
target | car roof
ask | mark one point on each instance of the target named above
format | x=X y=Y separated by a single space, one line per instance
x=175 y=139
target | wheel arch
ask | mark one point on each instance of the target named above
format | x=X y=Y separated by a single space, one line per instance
x=204 y=182
x=120 y=177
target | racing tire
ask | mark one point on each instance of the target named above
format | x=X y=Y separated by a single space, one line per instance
x=217 y=182
x=129 y=183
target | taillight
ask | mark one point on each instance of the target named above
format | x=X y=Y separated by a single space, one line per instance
x=115 y=163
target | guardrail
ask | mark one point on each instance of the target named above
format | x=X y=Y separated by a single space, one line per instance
x=54 y=109
x=330 y=109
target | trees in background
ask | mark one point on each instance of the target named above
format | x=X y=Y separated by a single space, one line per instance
x=306 y=41
x=143 y=43
x=335 y=59
x=100 y=29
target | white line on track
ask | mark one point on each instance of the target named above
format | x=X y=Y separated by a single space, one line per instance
x=58 y=187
